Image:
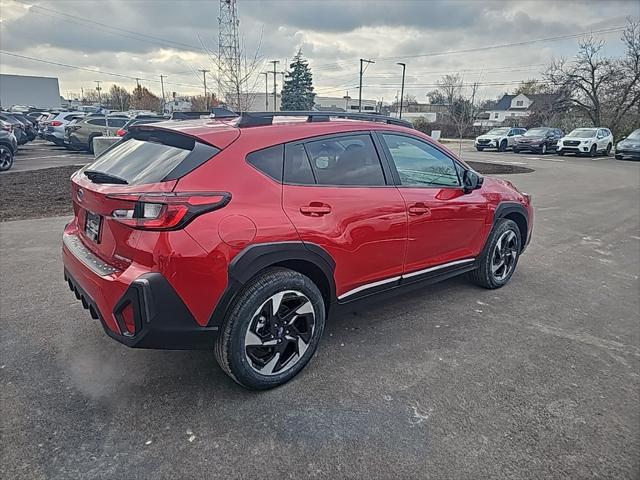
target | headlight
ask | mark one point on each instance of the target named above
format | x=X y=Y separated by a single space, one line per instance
x=586 y=141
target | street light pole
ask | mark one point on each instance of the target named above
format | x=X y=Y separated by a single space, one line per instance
x=275 y=84
x=266 y=91
x=362 y=60
x=404 y=66
x=204 y=78
x=162 y=86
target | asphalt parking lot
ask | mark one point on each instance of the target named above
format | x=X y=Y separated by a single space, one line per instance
x=539 y=379
x=41 y=154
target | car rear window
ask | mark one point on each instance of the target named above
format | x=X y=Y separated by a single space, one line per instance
x=153 y=156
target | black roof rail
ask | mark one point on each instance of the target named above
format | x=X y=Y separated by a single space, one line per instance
x=189 y=115
x=255 y=119
x=221 y=112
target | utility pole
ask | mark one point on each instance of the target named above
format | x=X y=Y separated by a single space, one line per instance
x=362 y=60
x=266 y=91
x=162 y=86
x=204 y=78
x=404 y=66
x=99 y=89
x=275 y=84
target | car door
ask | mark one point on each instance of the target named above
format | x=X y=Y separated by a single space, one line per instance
x=601 y=139
x=446 y=226
x=339 y=196
x=115 y=124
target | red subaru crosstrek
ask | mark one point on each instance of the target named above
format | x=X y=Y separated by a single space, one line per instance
x=241 y=235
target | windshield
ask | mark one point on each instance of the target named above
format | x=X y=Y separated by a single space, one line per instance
x=498 y=131
x=536 y=132
x=635 y=135
x=583 y=132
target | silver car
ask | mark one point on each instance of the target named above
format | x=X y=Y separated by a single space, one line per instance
x=54 y=129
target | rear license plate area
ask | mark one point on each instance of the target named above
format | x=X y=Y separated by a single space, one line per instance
x=92 y=225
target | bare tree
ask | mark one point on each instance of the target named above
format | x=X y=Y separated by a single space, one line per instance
x=119 y=98
x=460 y=110
x=604 y=90
x=242 y=78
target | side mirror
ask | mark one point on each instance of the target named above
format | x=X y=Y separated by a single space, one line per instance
x=472 y=181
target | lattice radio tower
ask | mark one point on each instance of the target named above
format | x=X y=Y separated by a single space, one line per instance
x=229 y=74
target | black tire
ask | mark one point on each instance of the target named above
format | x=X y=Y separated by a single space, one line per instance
x=6 y=158
x=90 y=146
x=484 y=275
x=479 y=149
x=543 y=149
x=231 y=350
x=594 y=150
x=560 y=152
x=516 y=151
x=503 y=146
x=607 y=152
x=618 y=156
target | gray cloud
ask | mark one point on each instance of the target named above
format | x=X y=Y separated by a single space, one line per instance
x=333 y=35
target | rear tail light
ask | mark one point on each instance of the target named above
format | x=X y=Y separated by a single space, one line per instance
x=166 y=211
x=56 y=123
x=121 y=132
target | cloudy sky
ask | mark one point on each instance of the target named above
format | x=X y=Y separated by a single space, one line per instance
x=117 y=41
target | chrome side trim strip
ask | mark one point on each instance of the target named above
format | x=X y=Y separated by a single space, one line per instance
x=438 y=267
x=82 y=253
x=369 y=285
x=406 y=275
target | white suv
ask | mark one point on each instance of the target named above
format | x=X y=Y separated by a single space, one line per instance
x=586 y=141
x=500 y=138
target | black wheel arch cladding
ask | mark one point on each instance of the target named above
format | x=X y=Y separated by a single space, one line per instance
x=258 y=257
x=518 y=213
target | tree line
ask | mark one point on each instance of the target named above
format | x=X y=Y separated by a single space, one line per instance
x=589 y=90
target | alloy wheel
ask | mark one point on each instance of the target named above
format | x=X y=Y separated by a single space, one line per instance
x=543 y=149
x=279 y=332
x=6 y=158
x=504 y=256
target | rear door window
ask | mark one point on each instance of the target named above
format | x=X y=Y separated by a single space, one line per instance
x=117 y=122
x=152 y=156
x=345 y=160
x=297 y=169
x=98 y=122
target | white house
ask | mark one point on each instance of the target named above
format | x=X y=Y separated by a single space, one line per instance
x=511 y=108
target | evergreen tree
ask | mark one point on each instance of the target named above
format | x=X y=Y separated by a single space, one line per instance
x=297 y=93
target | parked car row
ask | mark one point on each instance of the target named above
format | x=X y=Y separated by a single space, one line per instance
x=541 y=140
x=15 y=129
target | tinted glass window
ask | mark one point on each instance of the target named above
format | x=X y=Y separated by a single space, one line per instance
x=117 y=122
x=149 y=159
x=347 y=160
x=268 y=161
x=420 y=164
x=297 y=168
x=98 y=122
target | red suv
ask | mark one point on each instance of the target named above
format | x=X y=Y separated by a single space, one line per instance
x=241 y=235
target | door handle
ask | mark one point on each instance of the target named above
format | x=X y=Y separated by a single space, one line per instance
x=419 y=209
x=315 y=209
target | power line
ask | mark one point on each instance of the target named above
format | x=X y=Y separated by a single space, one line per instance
x=93 y=70
x=341 y=64
x=93 y=24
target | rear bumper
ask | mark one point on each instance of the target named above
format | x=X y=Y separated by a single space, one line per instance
x=161 y=319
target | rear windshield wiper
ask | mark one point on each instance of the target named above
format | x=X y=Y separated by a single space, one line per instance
x=102 y=177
